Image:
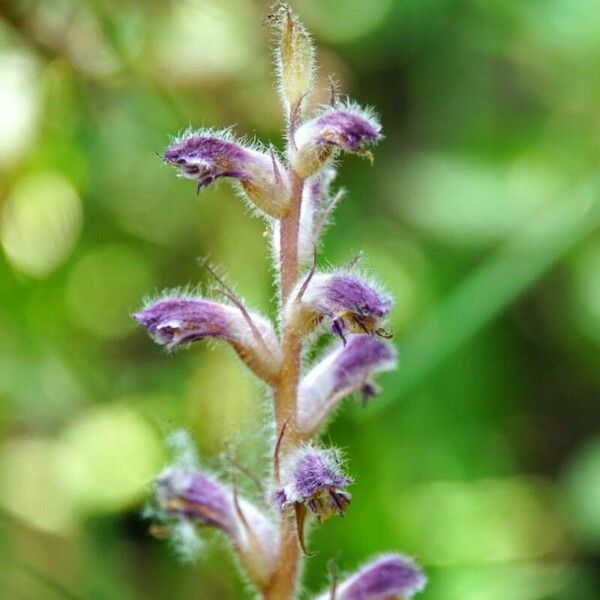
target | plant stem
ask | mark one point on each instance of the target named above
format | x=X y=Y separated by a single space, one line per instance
x=288 y=250
x=283 y=583
x=287 y=385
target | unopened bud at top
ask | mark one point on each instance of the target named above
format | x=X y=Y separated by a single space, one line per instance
x=343 y=127
x=295 y=56
x=206 y=156
x=390 y=577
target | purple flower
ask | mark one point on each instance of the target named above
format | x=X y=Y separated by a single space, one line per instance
x=392 y=576
x=350 y=304
x=316 y=190
x=208 y=156
x=176 y=320
x=190 y=494
x=185 y=496
x=312 y=478
x=347 y=369
x=341 y=127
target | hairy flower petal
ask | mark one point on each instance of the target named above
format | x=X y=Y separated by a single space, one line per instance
x=191 y=494
x=345 y=128
x=312 y=477
x=349 y=302
x=177 y=320
x=187 y=496
x=208 y=156
x=317 y=206
x=343 y=371
x=392 y=576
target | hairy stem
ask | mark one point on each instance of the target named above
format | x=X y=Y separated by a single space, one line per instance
x=283 y=583
x=288 y=247
x=287 y=384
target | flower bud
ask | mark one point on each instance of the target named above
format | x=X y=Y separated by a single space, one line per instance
x=206 y=156
x=313 y=478
x=347 y=369
x=186 y=497
x=295 y=56
x=177 y=320
x=349 y=303
x=343 y=127
x=390 y=577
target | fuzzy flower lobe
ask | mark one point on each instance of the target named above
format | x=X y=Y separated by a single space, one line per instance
x=351 y=304
x=313 y=478
x=208 y=156
x=390 y=577
x=178 y=320
x=187 y=496
x=345 y=128
x=346 y=370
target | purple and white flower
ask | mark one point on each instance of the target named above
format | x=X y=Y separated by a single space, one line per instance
x=343 y=127
x=206 y=156
x=190 y=494
x=351 y=304
x=185 y=496
x=313 y=478
x=318 y=203
x=178 y=319
x=389 y=577
x=347 y=369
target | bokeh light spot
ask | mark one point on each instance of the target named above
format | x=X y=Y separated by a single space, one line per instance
x=205 y=40
x=112 y=455
x=105 y=287
x=18 y=105
x=343 y=20
x=482 y=521
x=40 y=223
x=470 y=202
x=30 y=487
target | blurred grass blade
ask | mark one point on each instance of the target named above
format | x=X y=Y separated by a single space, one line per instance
x=47 y=582
x=491 y=288
x=8 y=561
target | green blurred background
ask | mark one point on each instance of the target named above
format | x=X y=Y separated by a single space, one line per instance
x=481 y=214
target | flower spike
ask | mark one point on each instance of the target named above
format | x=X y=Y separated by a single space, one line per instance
x=390 y=577
x=348 y=369
x=177 y=320
x=208 y=156
x=349 y=303
x=293 y=191
x=345 y=128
